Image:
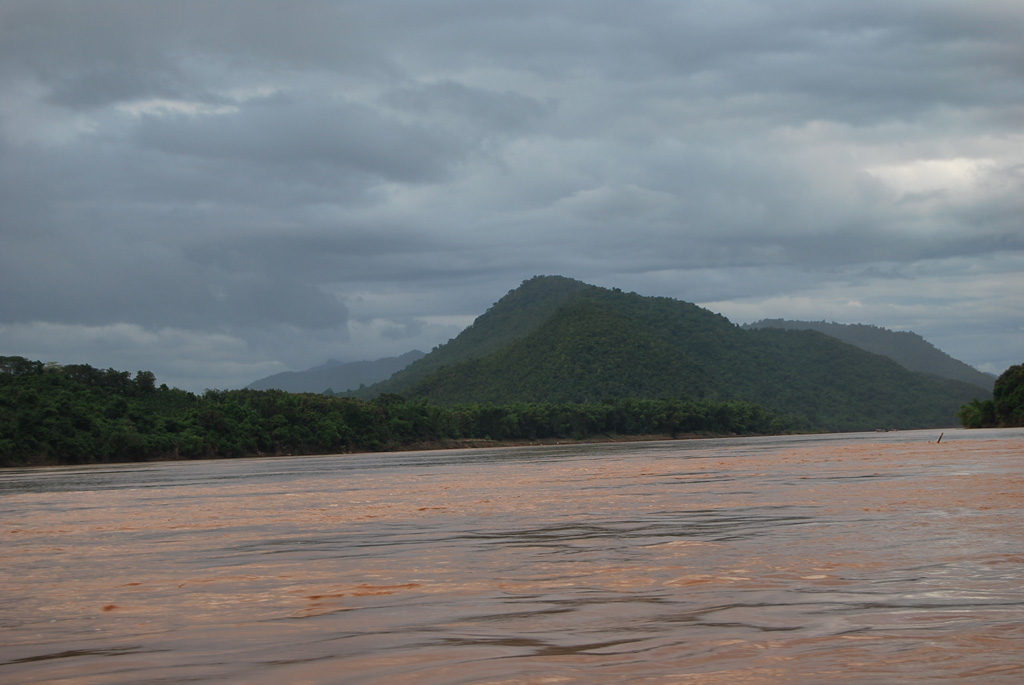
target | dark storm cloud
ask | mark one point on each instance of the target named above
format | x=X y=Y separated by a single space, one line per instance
x=90 y=286
x=104 y=84
x=279 y=183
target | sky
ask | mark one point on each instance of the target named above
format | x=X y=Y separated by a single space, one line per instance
x=216 y=190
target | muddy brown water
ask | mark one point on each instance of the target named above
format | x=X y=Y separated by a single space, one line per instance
x=867 y=558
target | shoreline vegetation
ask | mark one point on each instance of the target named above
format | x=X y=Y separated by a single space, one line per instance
x=52 y=414
x=1004 y=410
x=75 y=414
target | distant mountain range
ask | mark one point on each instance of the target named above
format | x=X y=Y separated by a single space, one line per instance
x=555 y=339
x=336 y=376
x=906 y=348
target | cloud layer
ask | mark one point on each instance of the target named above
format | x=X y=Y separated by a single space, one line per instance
x=216 y=191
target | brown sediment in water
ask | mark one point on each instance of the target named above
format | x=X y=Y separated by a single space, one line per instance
x=867 y=562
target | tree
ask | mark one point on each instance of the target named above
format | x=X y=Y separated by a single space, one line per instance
x=145 y=382
x=1005 y=409
x=1008 y=397
x=977 y=414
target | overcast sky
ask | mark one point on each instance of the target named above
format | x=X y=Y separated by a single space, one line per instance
x=216 y=191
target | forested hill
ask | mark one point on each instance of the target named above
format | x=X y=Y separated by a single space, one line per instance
x=906 y=348
x=336 y=376
x=559 y=340
x=514 y=316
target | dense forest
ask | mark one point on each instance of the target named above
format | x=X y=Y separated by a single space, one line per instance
x=1005 y=409
x=558 y=340
x=76 y=414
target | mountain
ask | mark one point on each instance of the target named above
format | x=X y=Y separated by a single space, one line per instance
x=514 y=316
x=336 y=376
x=554 y=339
x=906 y=348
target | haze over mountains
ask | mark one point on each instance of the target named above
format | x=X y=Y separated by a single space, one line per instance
x=906 y=348
x=555 y=339
x=336 y=376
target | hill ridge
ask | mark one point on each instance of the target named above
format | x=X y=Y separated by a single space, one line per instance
x=556 y=339
x=906 y=348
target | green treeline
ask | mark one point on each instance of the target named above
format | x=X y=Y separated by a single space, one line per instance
x=76 y=414
x=1005 y=409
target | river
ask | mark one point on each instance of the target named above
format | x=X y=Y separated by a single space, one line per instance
x=866 y=558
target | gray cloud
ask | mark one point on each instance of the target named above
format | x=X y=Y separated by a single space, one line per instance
x=187 y=183
x=336 y=134
x=490 y=112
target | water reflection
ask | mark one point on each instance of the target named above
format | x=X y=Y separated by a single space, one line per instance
x=864 y=558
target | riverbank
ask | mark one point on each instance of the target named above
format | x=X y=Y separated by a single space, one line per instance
x=418 y=446
x=447 y=444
